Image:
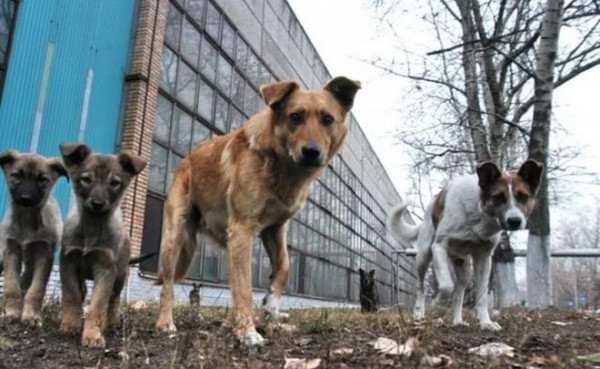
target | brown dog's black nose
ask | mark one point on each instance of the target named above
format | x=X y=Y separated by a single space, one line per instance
x=311 y=152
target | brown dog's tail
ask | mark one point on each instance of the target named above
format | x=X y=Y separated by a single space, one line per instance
x=140 y=258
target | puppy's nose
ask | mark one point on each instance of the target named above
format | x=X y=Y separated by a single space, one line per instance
x=514 y=222
x=97 y=205
x=311 y=151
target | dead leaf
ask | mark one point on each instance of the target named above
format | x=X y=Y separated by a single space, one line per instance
x=537 y=360
x=343 y=351
x=290 y=328
x=441 y=361
x=139 y=305
x=292 y=363
x=493 y=349
x=391 y=347
x=561 y=324
x=304 y=341
x=386 y=362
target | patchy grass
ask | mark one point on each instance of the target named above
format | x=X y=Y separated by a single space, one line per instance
x=339 y=337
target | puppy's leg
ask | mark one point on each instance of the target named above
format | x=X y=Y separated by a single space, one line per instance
x=482 y=265
x=73 y=292
x=42 y=266
x=274 y=239
x=423 y=260
x=115 y=300
x=12 y=289
x=464 y=273
x=239 y=255
x=104 y=270
x=441 y=264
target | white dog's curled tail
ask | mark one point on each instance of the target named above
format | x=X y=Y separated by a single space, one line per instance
x=401 y=230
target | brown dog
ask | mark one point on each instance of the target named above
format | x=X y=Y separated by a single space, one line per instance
x=251 y=182
x=29 y=233
x=95 y=245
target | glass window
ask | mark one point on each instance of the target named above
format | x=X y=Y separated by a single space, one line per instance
x=8 y=11
x=205 y=100
x=162 y=122
x=174 y=161
x=190 y=43
x=224 y=75
x=181 y=132
x=168 y=71
x=236 y=118
x=249 y=100
x=195 y=8
x=213 y=19
x=221 y=113
x=237 y=89
x=241 y=56
x=208 y=60
x=173 y=27
x=228 y=39
x=158 y=168
x=265 y=75
x=186 y=85
x=253 y=68
x=201 y=133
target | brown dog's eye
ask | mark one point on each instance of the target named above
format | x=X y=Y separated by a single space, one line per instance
x=499 y=198
x=295 y=118
x=115 y=183
x=327 y=120
x=522 y=197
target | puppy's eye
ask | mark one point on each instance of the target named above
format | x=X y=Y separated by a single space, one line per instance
x=85 y=181
x=16 y=174
x=522 y=197
x=295 y=118
x=327 y=120
x=43 y=180
x=115 y=183
x=499 y=198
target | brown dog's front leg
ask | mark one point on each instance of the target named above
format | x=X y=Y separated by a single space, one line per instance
x=239 y=252
x=42 y=266
x=274 y=240
x=72 y=289
x=104 y=270
x=12 y=289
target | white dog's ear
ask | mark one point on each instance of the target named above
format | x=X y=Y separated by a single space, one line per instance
x=488 y=173
x=274 y=93
x=531 y=172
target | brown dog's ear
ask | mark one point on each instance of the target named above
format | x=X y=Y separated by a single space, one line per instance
x=344 y=90
x=56 y=165
x=273 y=93
x=488 y=173
x=132 y=163
x=531 y=172
x=8 y=158
x=74 y=154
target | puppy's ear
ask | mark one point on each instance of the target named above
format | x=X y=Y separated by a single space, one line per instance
x=362 y=272
x=274 y=93
x=344 y=90
x=74 y=154
x=531 y=172
x=8 y=158
x=488 y=173
x=57 y=166
x=132 y=163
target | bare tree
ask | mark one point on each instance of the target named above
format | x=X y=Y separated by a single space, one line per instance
x=477 y=88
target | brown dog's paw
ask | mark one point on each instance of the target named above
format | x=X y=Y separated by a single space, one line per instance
x=70 y=325
x=32 y=319
x=93 y=338
x=165 y=325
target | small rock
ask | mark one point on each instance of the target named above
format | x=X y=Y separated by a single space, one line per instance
x=343 y=351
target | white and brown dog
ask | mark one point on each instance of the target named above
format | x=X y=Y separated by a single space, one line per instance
x=462 y=227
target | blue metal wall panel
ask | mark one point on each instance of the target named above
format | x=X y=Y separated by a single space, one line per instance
x=84 y=35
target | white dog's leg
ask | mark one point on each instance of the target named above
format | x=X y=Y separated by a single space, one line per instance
x=423 y=260
x=482 y=264
x=464 y=273
x=441 y=264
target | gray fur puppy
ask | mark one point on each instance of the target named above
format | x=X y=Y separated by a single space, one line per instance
x=95 y=244
x=29 y=233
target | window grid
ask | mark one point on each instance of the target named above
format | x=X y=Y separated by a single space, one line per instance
x=9 y=10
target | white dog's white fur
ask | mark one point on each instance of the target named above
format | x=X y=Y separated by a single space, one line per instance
x=471 y=212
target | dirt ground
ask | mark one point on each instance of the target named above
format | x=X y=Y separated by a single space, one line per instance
x=550 y=339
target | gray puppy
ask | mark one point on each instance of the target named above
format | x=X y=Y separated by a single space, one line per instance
x=29 y=233
x=95 y=245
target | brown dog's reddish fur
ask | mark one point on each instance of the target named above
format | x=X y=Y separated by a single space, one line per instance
x=251 y=182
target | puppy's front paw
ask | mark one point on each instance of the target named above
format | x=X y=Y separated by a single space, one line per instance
x=70 y=323
x=166 y=325
x=32 y=319
x=251 y=339
x=460 y=324
x=93 y=338
x=490 y=326
x=271 y=307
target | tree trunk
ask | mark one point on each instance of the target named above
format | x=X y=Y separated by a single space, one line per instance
x=504 y=282
x=539 y=291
